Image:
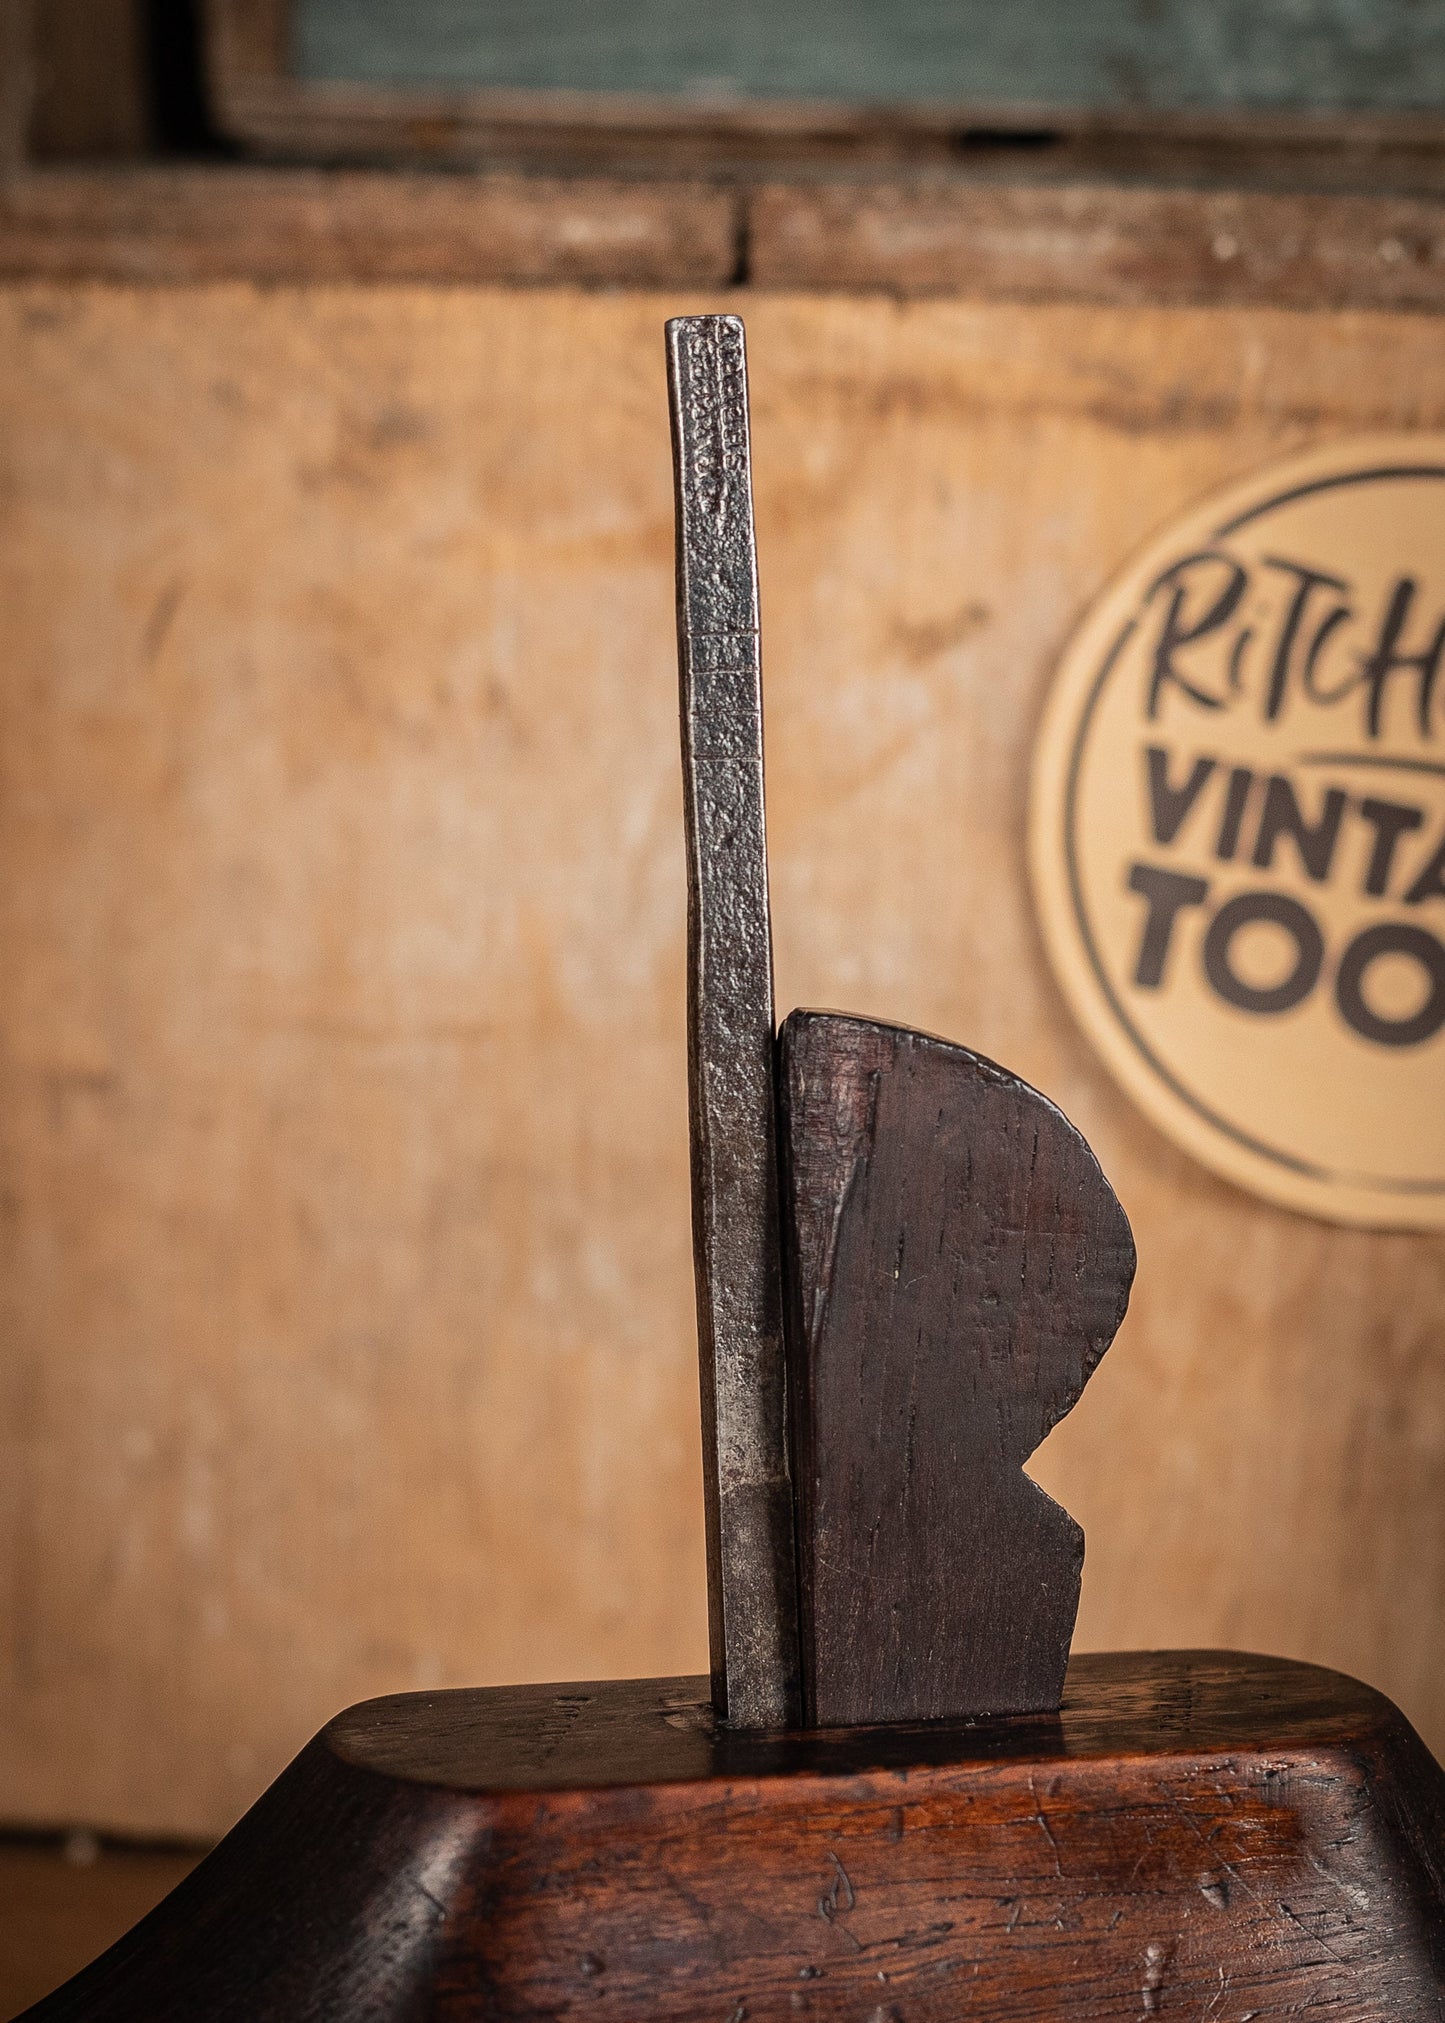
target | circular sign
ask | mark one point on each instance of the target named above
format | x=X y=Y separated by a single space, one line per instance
x=1237 y=831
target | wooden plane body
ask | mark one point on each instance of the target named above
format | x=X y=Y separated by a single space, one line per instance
x=1194 y=1834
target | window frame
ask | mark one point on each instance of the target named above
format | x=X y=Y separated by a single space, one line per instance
x=261 y=105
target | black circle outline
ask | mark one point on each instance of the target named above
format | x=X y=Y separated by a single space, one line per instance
x=1306 y=1168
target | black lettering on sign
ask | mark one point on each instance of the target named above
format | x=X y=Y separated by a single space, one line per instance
x=1392 y=937
x=1236 y=800
x=1431 y=882
x=1390 y=820
x=1307 y=580
x=1387 y=660
x=1182 y=628
x=1281 y=815
x=1317 y=690
x=1168 y=805
x=1165 y=893
x=1245 y=910
x=1203 y=648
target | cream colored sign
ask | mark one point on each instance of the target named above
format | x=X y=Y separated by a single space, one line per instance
x=1238 y=831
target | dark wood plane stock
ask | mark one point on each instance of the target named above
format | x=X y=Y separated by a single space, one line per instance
x=957 y=1266
x=895 y=1800
x=1193 y=1835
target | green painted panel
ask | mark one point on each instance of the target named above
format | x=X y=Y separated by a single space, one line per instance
x=1331 y=54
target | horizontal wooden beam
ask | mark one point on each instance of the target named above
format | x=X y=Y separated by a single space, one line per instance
x=1103 y=243
x=1013 y=239
x=164 y=225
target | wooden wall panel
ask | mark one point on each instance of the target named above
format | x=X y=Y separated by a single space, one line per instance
x=345 y=1301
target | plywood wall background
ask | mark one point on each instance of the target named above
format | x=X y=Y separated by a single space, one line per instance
x=345 y=1302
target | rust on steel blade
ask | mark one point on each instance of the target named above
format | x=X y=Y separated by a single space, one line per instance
x=752 y=1583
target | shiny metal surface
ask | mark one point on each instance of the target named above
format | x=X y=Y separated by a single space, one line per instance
x=752 y=1586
